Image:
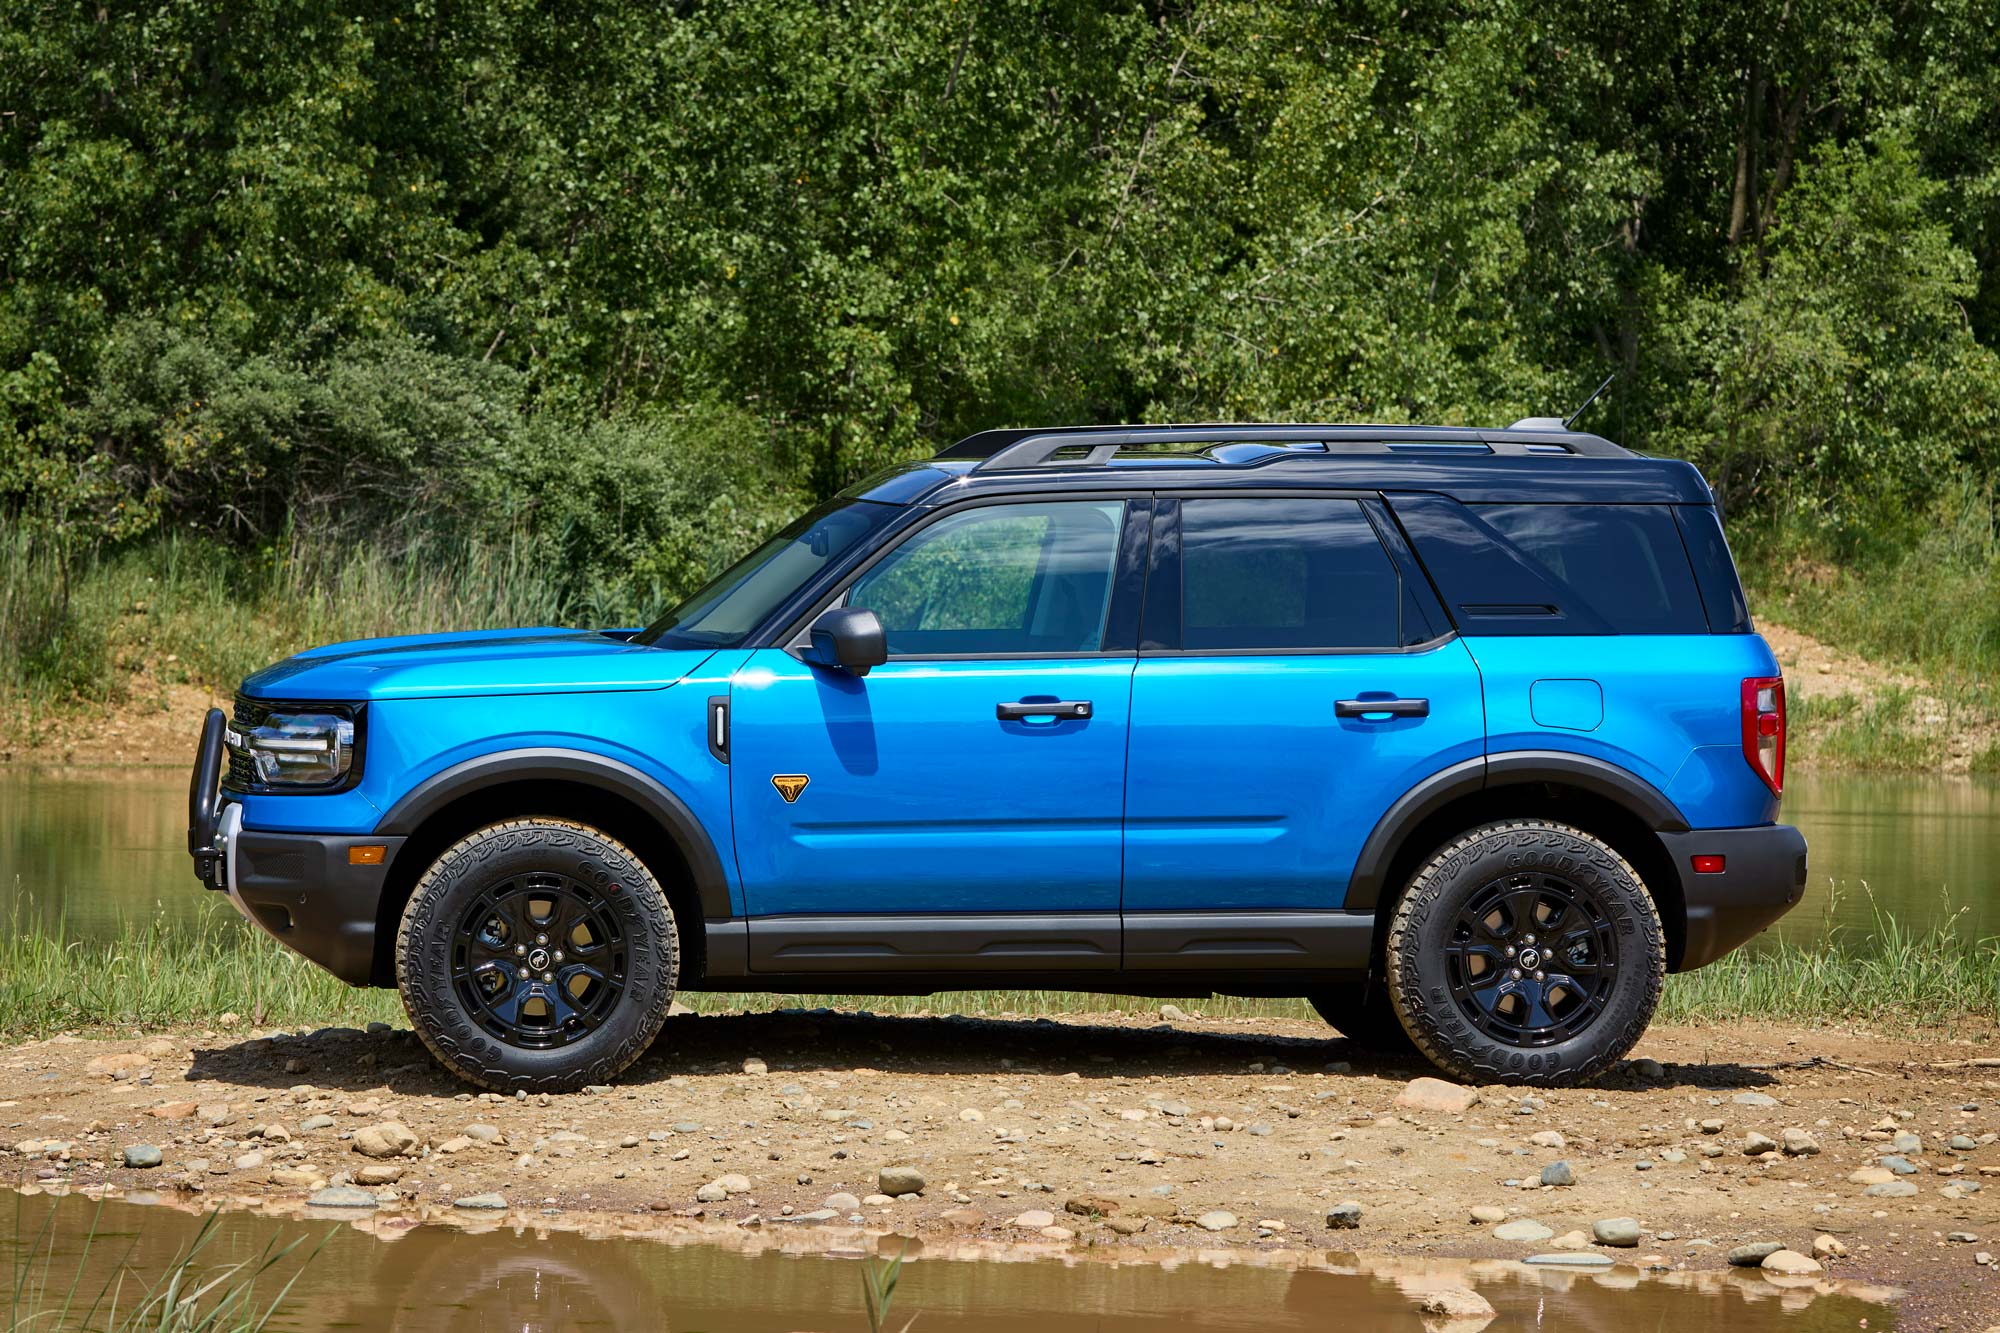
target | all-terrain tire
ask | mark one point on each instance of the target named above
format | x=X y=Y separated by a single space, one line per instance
x=1361 y=1012
x=641 y=950
x=1420 y=969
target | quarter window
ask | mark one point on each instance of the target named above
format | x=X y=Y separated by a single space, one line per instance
x=1284 y=574
x=1016 y=579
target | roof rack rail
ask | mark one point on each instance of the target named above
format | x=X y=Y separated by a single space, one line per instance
x=1017 y=449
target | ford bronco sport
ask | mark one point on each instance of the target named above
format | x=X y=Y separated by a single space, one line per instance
x=1462 y=735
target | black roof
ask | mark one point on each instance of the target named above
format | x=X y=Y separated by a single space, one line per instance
x=1534 y=461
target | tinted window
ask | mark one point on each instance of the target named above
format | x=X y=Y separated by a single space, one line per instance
x=1624 y=563
x=1284 y=574
x=1021 y=578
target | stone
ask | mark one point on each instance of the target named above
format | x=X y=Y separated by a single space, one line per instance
x=1489 y=1213
x=122 y=1065
x=1434 y=1094
x=1790 y=1263
x=1901 y=1166
x=1963 y=1143
x=896 y=1181
x=1798 y=1143
x=484 y=1134
x=1170 y=1013
x=249 y=1161
x=1753 y=1254
x=342 y=1196
x=295 y=1177
x=1826 y=1247
x=1558 y=1173
x=1754 y=1099
x=1963 y=1237
x=1617 y=1232
x=456 y=1143
x=1649 y=1069
x=1756 y=1145
x=712 y=1192
x=1871 y=1175
x=755 y=1066
x=842 y=1202
x=1034 y=1219
x=1548 y=1138
x=1522 y=1230
x=141 y=1156
x=381 y=1173
x=316 y=1122
x=215 y=1114
x=390 y=1138
x=1571 y=1240
x=1907 y=1142
x=1894 y=1189
x=171 y=1110
x=1091 y=1205
x=1127 y=1225
x=1057 y=1233
x=1714 y=1126
x=1455 y=1303
x=1570 y=1260
x=1218 y=1220
x=482 y=1202
x=1344 y=1216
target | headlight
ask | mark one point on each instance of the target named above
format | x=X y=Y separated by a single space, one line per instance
x=306 y=748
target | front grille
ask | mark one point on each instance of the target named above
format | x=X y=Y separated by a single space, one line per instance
x=242 y=774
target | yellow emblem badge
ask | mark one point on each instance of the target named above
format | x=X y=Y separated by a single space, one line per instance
x=789 y=785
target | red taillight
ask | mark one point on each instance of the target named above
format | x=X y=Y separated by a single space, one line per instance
x=1710 y=865
x=1764 y=729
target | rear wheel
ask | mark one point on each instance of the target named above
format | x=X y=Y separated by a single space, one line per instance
x=1360 y=1011
x=1525 y=951
x=537 y=954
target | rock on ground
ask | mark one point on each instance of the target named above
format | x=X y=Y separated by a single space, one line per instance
x=1434 y=1094
x=1455 y=1303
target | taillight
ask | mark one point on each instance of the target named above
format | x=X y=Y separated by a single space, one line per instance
x=1764 y=729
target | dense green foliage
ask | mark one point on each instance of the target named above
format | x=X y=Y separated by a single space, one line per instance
x=620 y=285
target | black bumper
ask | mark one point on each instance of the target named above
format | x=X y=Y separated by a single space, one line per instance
x=1764 y=877
x=304 y=890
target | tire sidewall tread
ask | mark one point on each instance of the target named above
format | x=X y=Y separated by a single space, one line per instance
x=1413 y=959
x=424 y=943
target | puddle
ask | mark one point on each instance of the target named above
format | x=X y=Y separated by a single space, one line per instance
x=396 y=1271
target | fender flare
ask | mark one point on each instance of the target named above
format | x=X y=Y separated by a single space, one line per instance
x=582 y=768
x=1368 y=884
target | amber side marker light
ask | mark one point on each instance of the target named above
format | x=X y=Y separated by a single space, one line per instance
x=1709 y=865
x=372 y=856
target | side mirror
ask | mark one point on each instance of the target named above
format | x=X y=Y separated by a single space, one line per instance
x=847 y=639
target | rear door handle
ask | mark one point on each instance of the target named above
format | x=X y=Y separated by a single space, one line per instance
x=1393 y=707
x=1046 y=708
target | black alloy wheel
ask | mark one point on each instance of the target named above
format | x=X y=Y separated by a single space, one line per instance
x=1532 y=958
x=539 y=960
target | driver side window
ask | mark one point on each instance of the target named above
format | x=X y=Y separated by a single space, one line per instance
x=1009 y=579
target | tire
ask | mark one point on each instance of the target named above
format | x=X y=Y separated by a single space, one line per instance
x=546 y=891
x=1474 y=911
x=1360 y=1011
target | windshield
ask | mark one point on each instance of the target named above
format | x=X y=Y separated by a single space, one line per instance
x=743 y=596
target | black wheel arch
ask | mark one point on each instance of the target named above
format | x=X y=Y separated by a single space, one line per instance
x=587 y=788
x=1594 y=795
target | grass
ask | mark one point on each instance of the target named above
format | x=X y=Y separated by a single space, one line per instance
x=188 y=1296
x=163 y=975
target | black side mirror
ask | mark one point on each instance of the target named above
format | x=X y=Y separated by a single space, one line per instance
x=847 y=639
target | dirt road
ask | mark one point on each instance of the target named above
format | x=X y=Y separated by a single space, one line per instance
x=1245 y=1133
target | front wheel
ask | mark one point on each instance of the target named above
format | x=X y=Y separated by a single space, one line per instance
x=1525 y=951
x=537 y=954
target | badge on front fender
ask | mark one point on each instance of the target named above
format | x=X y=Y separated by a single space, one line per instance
x=789 y=785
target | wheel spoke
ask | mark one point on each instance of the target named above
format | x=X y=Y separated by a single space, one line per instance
x=522 y=923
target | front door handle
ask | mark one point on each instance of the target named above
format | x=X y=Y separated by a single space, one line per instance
x=1393 y=707
x=1045 y=708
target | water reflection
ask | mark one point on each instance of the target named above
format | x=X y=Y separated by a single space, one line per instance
x=404 y=1273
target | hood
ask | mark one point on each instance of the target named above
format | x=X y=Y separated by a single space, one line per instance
x=516 y=661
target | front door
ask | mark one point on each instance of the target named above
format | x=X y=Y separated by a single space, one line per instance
x=961 y=805
x=1257 y=766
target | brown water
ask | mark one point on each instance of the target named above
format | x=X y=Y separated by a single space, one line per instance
x=438 y=1278
x=95 y=850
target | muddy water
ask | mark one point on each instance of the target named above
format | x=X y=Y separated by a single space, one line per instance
x=382 y=1273
x=96 y=850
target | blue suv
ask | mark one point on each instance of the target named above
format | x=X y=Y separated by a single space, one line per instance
x=1462 y=735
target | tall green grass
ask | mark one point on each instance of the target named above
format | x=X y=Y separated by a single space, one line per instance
x=189 y=1295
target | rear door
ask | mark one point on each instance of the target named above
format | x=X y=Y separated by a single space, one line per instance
x=1292 y=684
x=961 y=805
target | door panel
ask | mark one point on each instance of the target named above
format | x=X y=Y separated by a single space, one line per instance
x=918 y=797
x=1248 y=791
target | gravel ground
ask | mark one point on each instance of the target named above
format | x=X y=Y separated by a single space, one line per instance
x=1858 y=1158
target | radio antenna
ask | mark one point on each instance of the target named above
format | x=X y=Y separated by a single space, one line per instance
x=1571 y=420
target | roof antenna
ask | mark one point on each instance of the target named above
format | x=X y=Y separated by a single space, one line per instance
x=1571 y=419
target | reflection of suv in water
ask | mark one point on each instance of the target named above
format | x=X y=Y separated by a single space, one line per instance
x=1461 y=735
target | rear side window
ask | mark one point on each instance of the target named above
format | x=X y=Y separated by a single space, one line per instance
x=1714 y=569
x=1284 y=574
x=1556 y=568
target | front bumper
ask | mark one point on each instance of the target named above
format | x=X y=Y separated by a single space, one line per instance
x=1764 y=878
x=302 y=889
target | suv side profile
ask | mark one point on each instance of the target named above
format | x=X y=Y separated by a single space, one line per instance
x=1462 y=735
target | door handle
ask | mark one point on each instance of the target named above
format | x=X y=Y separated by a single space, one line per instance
x=1393 y=707
x=1047 y=708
